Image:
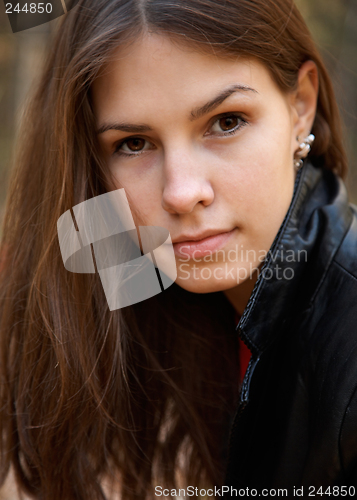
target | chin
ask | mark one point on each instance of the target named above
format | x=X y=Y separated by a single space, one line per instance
x=200 y=286
x=204 y=283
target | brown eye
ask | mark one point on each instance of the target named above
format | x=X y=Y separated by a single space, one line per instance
x=132 y=146
x=228 y=122
x=135 y=144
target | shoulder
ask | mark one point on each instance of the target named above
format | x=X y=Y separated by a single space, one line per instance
x=330 y=340
x=345 y=265
x=331 y=320
x=346 y=256
x=334 y=304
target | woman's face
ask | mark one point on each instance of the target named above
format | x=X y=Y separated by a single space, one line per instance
x=202 y=145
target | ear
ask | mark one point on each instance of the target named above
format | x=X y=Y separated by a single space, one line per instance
x=304 y=101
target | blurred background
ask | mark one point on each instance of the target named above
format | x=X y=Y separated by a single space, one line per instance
x=333 y=24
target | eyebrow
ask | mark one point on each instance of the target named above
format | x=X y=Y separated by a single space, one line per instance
x=194 y=115
x=216 y=101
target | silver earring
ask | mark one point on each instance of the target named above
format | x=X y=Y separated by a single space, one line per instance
x=303 y=151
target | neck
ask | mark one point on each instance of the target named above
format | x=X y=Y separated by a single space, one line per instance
x=239 y=295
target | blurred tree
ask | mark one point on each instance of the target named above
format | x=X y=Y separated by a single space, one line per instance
x=333 y=24
x=21 y=56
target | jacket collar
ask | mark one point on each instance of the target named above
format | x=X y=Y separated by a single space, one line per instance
x=315 y=224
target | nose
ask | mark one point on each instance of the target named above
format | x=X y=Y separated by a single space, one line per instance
x=186 y=181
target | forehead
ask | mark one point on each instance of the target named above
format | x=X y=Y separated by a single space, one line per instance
x=155 y=71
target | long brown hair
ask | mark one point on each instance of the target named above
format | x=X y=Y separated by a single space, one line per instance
x=87 y=393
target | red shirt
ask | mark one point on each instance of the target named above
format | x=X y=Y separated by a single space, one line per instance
x=244 y=353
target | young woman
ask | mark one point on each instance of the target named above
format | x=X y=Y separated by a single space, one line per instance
x=242 y=374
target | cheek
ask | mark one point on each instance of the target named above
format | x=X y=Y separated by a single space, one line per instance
x=146 y=209
x=142 y=183
x=258 y=189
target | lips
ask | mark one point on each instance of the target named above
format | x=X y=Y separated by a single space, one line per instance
x=197 y=248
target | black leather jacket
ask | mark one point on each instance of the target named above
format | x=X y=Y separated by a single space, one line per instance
x=296 y=425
